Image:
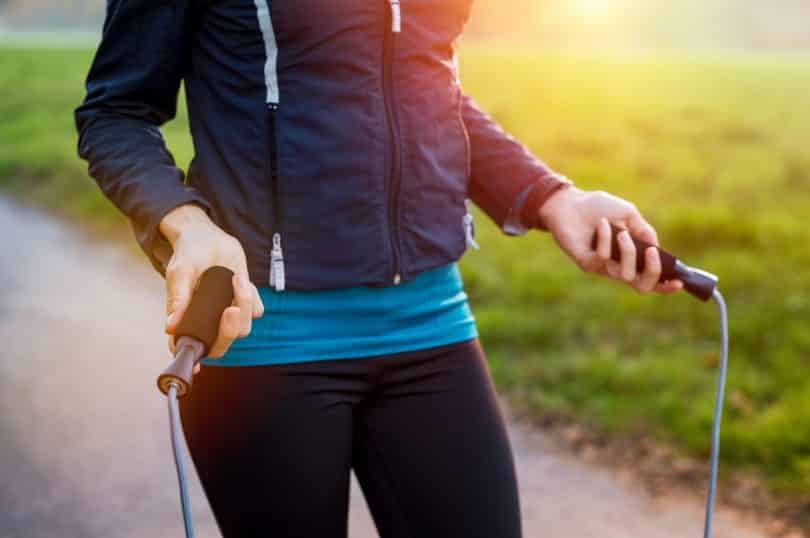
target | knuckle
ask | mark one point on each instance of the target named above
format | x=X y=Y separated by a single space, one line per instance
x=232 y=249
x=231 y=244
x=233 y=241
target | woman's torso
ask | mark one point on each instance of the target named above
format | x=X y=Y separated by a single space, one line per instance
x=317 y=124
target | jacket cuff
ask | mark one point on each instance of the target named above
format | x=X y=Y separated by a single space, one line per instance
x=524 y=214
x=148 y=234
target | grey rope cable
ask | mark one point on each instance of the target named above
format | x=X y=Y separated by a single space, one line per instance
x=718 y=411
x=177 y=435
x=177 y=443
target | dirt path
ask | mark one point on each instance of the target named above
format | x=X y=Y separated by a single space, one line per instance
x=84 y=450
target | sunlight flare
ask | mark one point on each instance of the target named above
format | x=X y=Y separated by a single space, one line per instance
x=596 y=9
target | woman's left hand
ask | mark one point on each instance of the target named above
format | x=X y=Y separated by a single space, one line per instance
x=573 y=217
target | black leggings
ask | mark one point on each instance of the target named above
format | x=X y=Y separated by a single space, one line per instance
x=274 y=446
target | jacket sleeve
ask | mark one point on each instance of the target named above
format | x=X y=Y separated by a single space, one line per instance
x=132 y=90
x=507 y=181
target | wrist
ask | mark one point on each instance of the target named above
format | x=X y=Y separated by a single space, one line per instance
x=552 y=206
x=530 y=201
x=181 y=219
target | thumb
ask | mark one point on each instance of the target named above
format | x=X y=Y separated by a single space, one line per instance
x=180 y=283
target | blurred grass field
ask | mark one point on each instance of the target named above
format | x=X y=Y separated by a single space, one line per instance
x=713 y=150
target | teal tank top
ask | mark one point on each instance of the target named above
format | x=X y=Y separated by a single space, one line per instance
x=430 y=310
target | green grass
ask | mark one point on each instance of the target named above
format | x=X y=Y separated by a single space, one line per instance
x=714 y=150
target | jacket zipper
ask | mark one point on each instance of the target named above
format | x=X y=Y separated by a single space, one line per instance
x=389 y=45
x=277 y=274
x=469 y=227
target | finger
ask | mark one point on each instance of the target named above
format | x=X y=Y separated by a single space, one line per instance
x=258 y=304
x=591 y=260
x=604 y=240
x=669 y=287
x=243 y=298
x=628 y=257
x=613 y=269
x=641 y=229
x=229 y=327
x=197 y=368
x=652 y=271
x=172 y=345
x=179 y=287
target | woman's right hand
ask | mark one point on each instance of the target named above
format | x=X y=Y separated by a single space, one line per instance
x=199 y=244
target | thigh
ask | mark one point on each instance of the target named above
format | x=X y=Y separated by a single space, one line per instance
x=432 y=452
x=272 y=449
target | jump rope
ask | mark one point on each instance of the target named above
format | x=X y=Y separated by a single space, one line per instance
x=198 y=330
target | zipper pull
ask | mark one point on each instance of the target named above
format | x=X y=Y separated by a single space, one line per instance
x=396 y=16
x=469 y=232
x=277 y=277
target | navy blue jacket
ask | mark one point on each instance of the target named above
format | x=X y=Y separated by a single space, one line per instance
x=331 y=137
